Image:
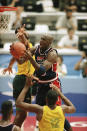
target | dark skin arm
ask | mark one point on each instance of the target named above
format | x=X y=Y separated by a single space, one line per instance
x=21 y=35
x=20 y=61
x=9 y=68
x=77 y=65
x=25 y=106
x=68 y=107
x=52 y=58
x=12 y=61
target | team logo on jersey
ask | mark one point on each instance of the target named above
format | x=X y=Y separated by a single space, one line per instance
x=40 y=58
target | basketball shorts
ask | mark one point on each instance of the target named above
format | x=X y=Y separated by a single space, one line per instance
x=42 y=90
x=58 y=84
x=67 y=125
x=18 y=85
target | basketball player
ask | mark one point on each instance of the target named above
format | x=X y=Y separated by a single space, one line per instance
x=5 y=122
x=25 y=68
x=51 y=117
x=45 y=65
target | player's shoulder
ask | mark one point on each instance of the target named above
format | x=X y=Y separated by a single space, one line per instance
x=53 y=55
x=53 y=51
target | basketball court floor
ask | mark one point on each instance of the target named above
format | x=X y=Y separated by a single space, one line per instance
x=78 y=123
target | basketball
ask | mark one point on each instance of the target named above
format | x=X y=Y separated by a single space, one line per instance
x=17 y=49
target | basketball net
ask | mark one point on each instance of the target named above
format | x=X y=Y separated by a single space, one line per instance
x=7 y=15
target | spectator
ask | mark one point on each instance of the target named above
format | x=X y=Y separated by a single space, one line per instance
x=82 y=64
x=72 y=4
x=69 y=41
x=67 y=21
x=61 y=68
x=62 y=4
x=5 y=122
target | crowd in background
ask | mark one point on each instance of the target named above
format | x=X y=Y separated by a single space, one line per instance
x=69 y=6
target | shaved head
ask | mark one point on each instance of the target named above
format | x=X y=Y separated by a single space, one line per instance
x=48 y=38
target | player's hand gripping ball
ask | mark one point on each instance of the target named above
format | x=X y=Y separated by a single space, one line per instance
x=17 y=49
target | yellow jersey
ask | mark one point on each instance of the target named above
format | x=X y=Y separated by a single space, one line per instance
x=52 y=120
x=26 y=68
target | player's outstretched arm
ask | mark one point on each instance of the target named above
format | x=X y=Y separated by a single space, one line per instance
x=22 y=38
x=68 y=107
x=9 y=68
x=28 y=55
x=20 y=100
x=51 y=59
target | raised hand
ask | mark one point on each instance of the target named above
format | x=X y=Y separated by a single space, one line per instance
x=9 y=69
x=27 y=54
x=54 y=87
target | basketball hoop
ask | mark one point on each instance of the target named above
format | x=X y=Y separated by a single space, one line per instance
x=7 y=15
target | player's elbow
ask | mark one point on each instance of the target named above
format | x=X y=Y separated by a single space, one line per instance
x=76 y=68
x=18 y=103
x=73 y=109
